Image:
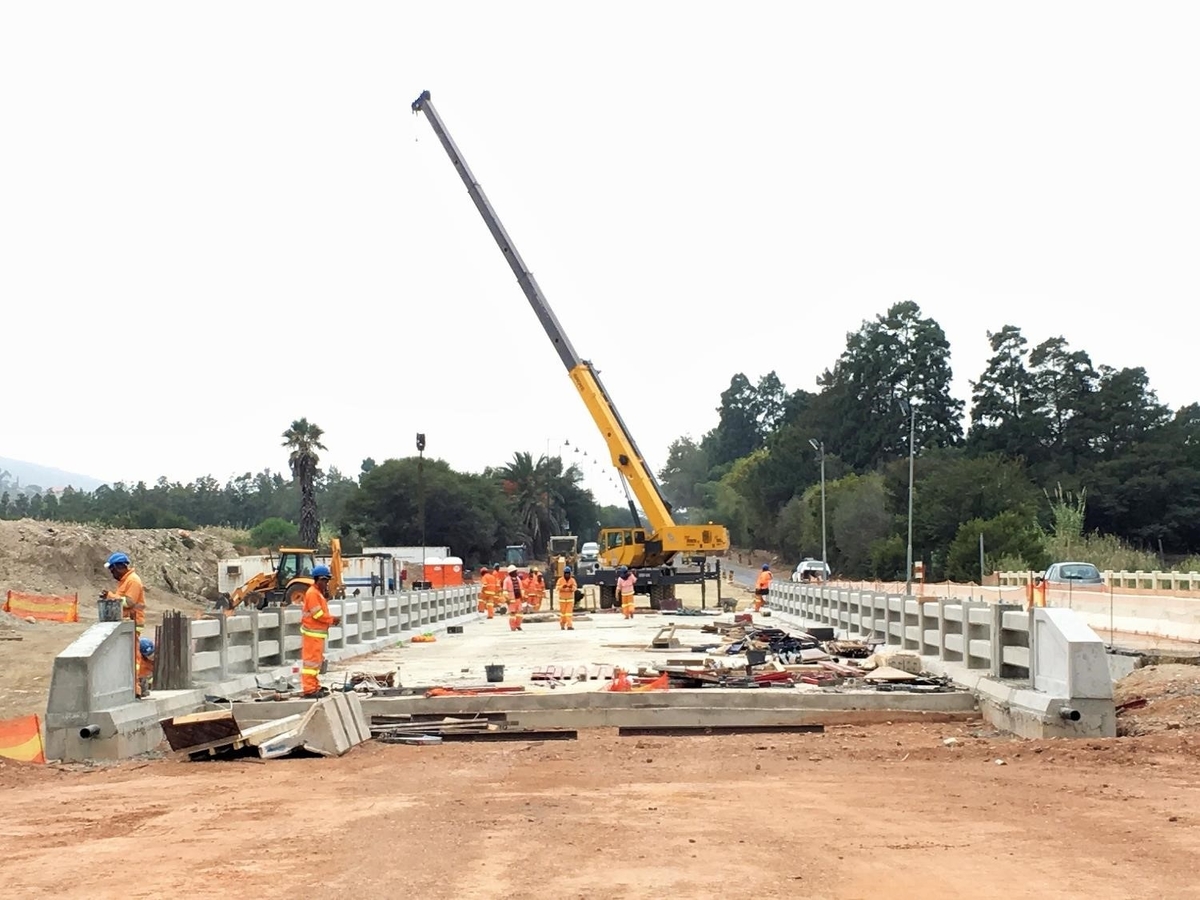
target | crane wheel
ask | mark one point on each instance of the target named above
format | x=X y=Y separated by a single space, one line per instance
x=608 y=596
x=657 y=593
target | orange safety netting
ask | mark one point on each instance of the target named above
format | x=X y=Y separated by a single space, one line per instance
x=21 y=739
x=46 y=607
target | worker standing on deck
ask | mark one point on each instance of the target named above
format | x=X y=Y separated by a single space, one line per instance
x=761 y=587
x=491 y=588
x=565 y=589
x=132 y=594
x=626 y=583
x=512 y=598
x=537 y=584
x=486 y=584
x=315 y=622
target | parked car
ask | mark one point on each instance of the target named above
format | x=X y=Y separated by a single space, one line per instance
x=810 y=570
x=589 y=552
x=1072 y=573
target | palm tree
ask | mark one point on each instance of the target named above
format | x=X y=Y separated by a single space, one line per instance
x=304 y=439
x=532 y=487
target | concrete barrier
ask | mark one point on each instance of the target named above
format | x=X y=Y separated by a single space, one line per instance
x=92 y=713
x=1037 y=673
x=256 y=640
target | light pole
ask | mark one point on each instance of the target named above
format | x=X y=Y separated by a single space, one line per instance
x=819 y=446
x=912 y=450
x=421 y=495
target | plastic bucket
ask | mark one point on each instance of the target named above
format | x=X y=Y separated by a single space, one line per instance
x=494 y=673
x=110 y=610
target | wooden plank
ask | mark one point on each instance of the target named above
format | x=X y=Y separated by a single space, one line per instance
x=200 y=729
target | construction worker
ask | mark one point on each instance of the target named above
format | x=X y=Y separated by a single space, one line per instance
x=565 y=589
x=145 y=665
x=486 y=583
x=511 y=587
x=626 y=582
x=315 y=622
x=761 y=587
x=537 y=585
x=491 y=587
x=132 y=594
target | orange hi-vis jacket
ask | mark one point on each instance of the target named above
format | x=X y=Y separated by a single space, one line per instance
x=488 y=590
x=764 y=581
x=565 y=588
x=132 y=594
x=314 y=616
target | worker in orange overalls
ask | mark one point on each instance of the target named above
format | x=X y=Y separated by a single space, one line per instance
x=565 y=589
x=315 y=622
x=487 y=595
x=761 y=587
x=512 y=597
x=626 y=583
x=132 y=594
x=538 y=586
x=485 y=582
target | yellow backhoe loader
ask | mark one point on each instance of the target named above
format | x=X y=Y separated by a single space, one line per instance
x=286 y=584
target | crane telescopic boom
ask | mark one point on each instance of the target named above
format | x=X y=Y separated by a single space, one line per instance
x=667 y=538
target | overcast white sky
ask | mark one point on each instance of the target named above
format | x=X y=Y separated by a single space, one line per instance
x=216 y=218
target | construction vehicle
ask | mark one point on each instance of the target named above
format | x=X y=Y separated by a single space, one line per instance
x=653 y=547
x=562 y=551
x=516 y=555
x=288 y=580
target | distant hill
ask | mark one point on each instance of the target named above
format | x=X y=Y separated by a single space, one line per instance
x=14 y=471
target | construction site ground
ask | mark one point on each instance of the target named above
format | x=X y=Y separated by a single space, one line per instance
x=856 y=812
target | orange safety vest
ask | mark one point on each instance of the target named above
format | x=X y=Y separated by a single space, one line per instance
x=488 y=580
x=764 y=581
x=131 y=588
x=314 y=616
x=565 y=587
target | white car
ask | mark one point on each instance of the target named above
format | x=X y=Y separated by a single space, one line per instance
x=811 y=570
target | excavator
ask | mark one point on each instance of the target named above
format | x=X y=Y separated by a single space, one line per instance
x=286 y=584
x=652 y=547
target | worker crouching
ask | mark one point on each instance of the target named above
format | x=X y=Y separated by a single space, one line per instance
x=626 y=584
x=315 y=622
x=565 y=589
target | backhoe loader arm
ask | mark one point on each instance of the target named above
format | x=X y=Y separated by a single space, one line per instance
x=621 y=446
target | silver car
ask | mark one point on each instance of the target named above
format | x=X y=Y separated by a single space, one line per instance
x=1072 y=573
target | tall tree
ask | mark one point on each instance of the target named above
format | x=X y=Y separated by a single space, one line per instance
x=685 y=472
x=1125 y=410
x=737 y=431
x=1063 y=382
x=900 y=356
x=1000 y=399
x=303 y=438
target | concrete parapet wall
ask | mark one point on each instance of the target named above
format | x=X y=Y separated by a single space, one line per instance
x=1025 y=666
x=255 y=640
x=93 y=675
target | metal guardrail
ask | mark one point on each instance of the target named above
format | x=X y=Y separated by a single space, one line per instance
x=1139 y=580
x=991 y=637
x=262 y=639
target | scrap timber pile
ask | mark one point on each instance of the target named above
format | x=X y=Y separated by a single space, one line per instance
x=742 y=654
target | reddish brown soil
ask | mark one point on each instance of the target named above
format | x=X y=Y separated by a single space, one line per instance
x=854 y=813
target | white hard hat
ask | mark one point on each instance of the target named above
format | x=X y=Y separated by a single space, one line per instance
x=511 y=569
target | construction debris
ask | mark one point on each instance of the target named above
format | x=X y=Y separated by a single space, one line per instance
x=330 y=727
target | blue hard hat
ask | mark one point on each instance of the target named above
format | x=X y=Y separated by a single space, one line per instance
x=321 y=572
x=623 y=569
x=117 y=559
x=766 y=568
x=566 y=570
x=146 y=646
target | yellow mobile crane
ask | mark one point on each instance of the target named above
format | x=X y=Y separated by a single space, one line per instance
x=649 y=548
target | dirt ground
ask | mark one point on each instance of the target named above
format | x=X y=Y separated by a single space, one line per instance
x=859 y=812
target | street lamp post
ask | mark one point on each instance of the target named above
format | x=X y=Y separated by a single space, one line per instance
x=912 y=445
x=819 y=446
x=421 y=495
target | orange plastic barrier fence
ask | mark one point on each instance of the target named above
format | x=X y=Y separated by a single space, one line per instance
x=46 y=607
x=21 y=739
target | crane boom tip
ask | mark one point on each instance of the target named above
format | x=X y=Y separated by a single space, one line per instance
x=420 y=101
